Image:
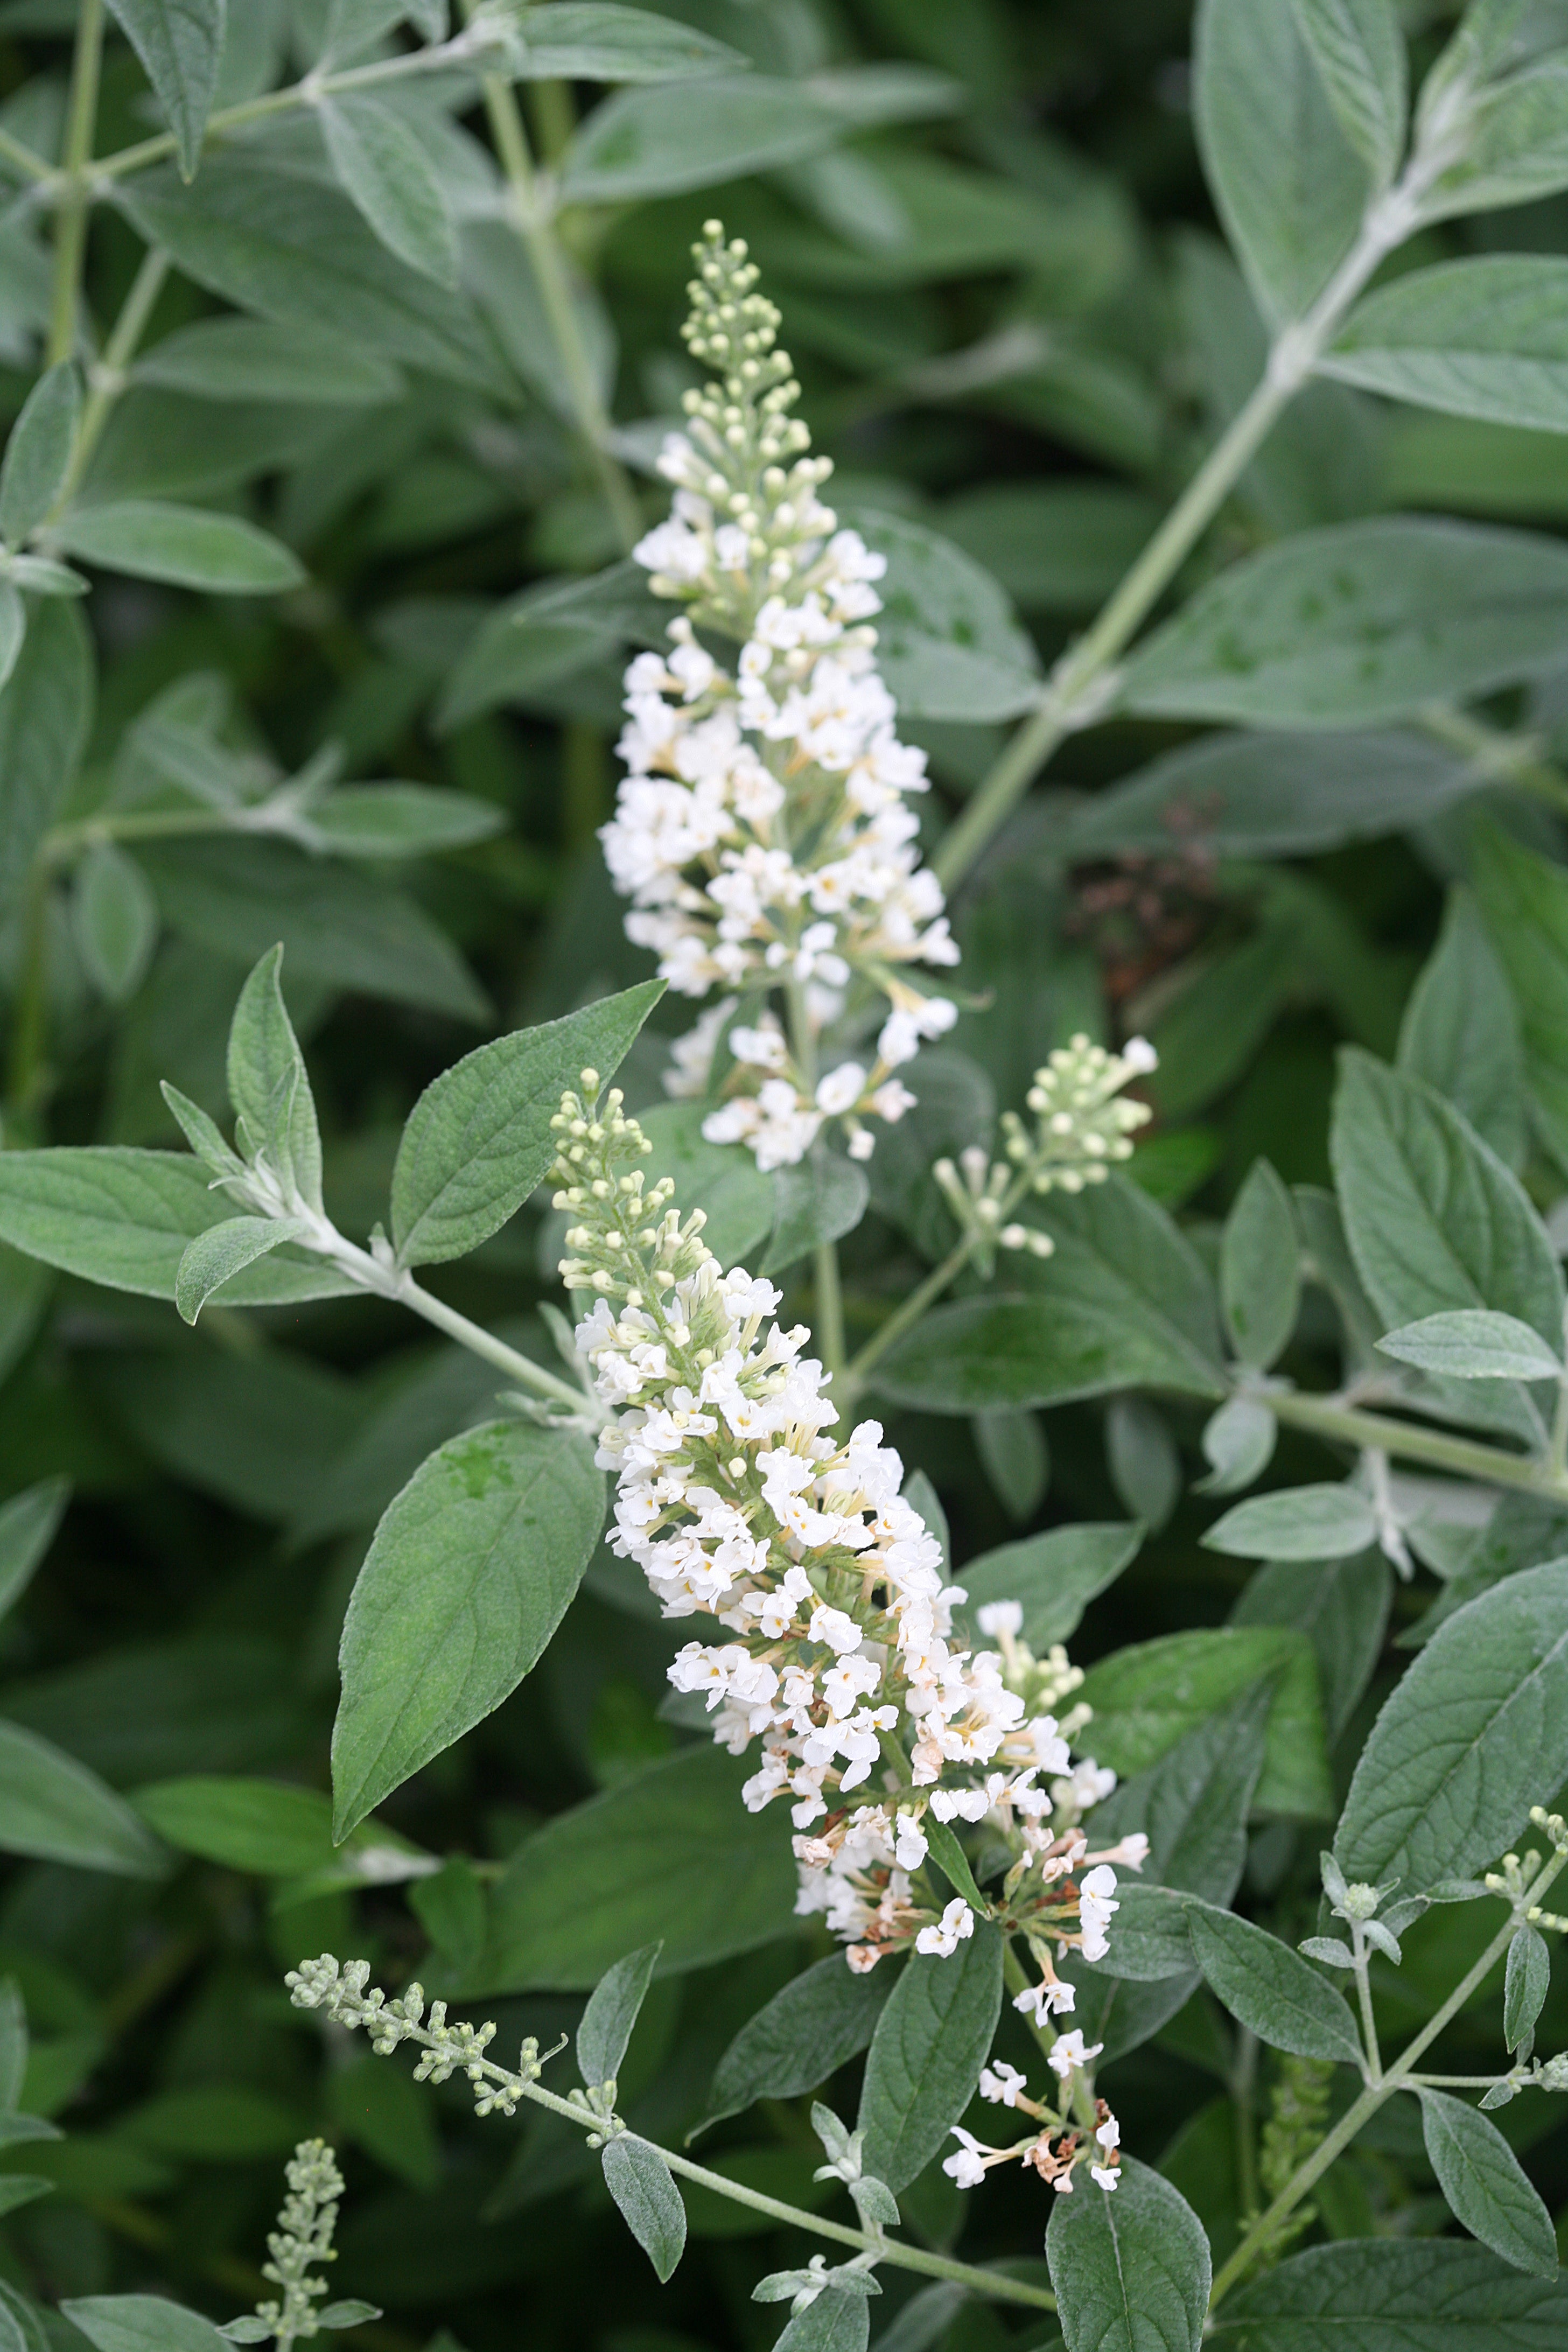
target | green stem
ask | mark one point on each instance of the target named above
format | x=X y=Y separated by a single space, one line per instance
x=71 y=227
x=62 y=844
x=922 y=1295
x=473 y=1336
x=1400 y=2076
x=106 y=380
x=1350 y=1426
x=1364 y=1996
x=1243 y=2091
x=32 y=167
x=1513 y=759
x=556 y=294
x=1078 y=682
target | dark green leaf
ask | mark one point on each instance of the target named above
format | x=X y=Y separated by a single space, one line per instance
x=947 y=642
x=39 y=453
x=141 y=2323
x=821 y=2020
x=1475 y=1728
x=1147 y=1697
x=470 y=1572
x=931 y=2042
x=1272 y=1991
x=637 y=1864
x=1461 y=1032
x=1524 y=901
x=819 y=1199
x=1053 y=1575
x=1527 y=1982
x=611 y=2014
x=1341 y=1605
x=833 y=2322
x=1131 y=2269
x=656 y=142
x=1481 y=2177
x=1260 y=1268
x=27 y=1524
x=46 y=713
x=721 y=1179
x=480 y=1140
x=1388 y=2295
x=379 y=158
x=53 y=1807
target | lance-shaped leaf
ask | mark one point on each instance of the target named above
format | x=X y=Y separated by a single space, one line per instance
x=1296 y=1523
x=54 y=1807
x=1393 y=2294
x=1054 y=1576
x=180 y=44
x=1474 y=1343
x=1526 y=1983
x=1486 y=2187
x=1358 y=48
x=611 y=2014
x=1486 y=338
x=596 y=40
x=643 y=2187
x=931 y=2042
x=141 y=2323
x=819 y=2020
x=1260 y=1267
x=1461 y=1032
x=215 y=1256
x=1272 y=1991
x=27 y=1524
x=378 y=157
x=269 y=1085
x=189 y=547
x=39 y=453
x=471 y=1570
x=479 y=1139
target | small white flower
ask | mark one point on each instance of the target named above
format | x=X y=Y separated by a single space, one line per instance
x=1001 y=2084
x=943 y=1938
x=1107 y=2175
x=965 y=2165
x=999 y=1617
x=1068 y=2052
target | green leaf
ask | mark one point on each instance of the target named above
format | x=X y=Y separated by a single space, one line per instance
x=1270 y=1990
x=1054 y=1576
x=931 y=2042
x=18 y=2189
x=1359 y=623
x=1238 y=1442
x=141 y=2323
x=593 y=40
x=1481 y=2177
x=820 y=2020
x=1123 y=1303
x=1288 y=183
x=1260 y=1268
x=1474 y=1343
x=297 y=253
x=1358 y=48
x=1485 y=338
x=398 y=821
x=1341 y=1606
x=820 y=1199
x=269 y=1085
x=353 y=2311
x=637 y=1864
x=215 y=1256
x=1461 y=1032
x=13 y=2045
x=337 y=923
x=1475 y=1729
x=643 y=2187
x=180 y=44
x=54 y=1807
x=124 y=1217
x=267 y=1827
x=1296 y=1523
x=27 y=1525
x=611 y=2013
x=12 y=627
x=45 y=712
x=471 y=1570
x=114 y=921
x=833 y=2322
x=1132 y=2268
x=948 y=643
x=378 y=156
x=1434 y=1220
x=479 y=1139
x=1523 y=900
x=1515 y=147
x=1146 y=1697
x=190 y=547
x=39 y=453
x=1526 y=1983
x=256 y=359
x=1141 y=1456
x=656 y=142
x=1389 y=2295
x=722 y=1179
x=1015 y=1459
x=1058 y=545
x=1274 y=795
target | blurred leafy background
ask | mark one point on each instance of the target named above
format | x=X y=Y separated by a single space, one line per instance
x=1013 y=320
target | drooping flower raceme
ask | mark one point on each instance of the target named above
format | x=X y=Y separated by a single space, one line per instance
x=841 y=1650
x=761 y=830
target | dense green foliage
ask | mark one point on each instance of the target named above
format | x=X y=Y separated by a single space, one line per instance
x=338 y=339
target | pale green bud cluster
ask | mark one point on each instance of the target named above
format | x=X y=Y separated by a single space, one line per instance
x=304 y=2238
x=627 y=1241
x=734 y=329
x=349 y=1998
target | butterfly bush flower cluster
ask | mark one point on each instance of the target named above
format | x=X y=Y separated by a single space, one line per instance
x=740 y=1501
x=761 y=830
x=1063 y=2141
